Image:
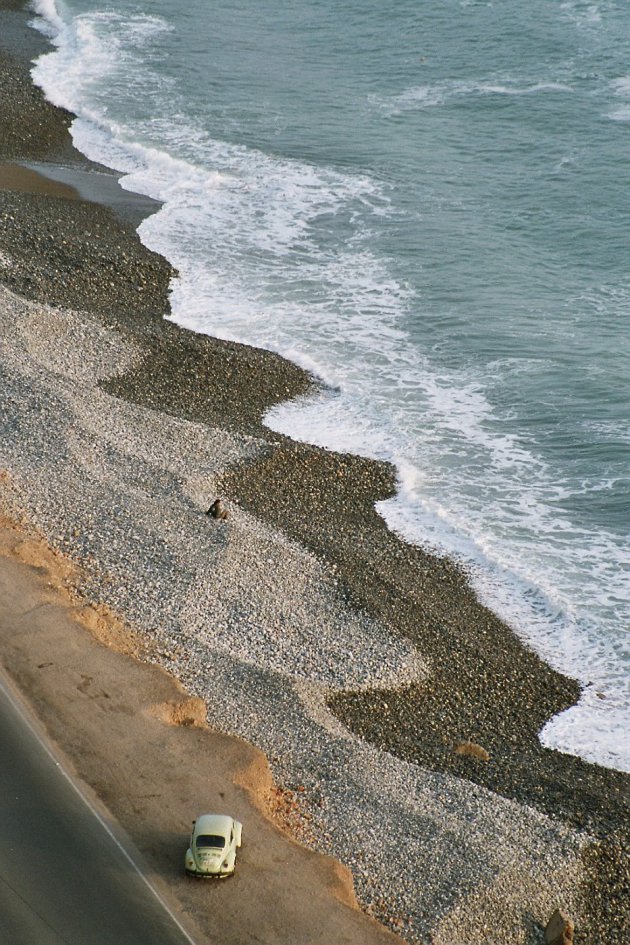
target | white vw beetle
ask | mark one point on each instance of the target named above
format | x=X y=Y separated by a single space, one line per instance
x=213 y=844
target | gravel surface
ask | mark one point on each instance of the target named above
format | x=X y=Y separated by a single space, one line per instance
x=358 y=664
x=123 y=490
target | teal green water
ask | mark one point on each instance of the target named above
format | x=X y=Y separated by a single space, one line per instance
x=427 y=205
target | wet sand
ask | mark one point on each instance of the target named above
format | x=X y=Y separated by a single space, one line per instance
x=18 y=179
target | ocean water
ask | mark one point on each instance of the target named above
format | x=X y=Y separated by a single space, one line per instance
x=428 y=206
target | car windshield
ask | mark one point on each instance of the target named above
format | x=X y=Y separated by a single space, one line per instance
x=211 y=840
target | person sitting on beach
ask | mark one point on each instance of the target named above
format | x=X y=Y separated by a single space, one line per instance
x=217 y=510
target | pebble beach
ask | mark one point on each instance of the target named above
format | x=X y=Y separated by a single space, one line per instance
x=400 y=713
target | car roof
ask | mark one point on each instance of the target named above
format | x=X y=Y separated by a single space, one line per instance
x=214 y=823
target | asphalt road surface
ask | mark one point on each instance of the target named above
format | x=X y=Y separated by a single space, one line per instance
x=64 y=878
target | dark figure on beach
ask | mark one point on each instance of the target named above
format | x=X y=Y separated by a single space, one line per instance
x=217 y=510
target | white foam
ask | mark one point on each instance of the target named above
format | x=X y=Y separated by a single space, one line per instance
x=596 y=729
x=48 y=20
x=621 y=86
x=583 y=14
x=620 y=114
x=92 y=50
x=442 y=93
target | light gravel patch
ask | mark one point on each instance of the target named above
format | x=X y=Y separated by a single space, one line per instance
x=294 y=623
x=5 y=261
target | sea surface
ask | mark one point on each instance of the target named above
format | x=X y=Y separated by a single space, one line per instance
x=428 y=206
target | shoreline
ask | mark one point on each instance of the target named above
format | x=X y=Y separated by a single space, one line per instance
x=472 y=681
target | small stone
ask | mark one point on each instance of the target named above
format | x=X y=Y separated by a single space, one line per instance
x=559 y=929
x=472 y=750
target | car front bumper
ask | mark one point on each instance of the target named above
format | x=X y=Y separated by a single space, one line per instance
x=199 y=874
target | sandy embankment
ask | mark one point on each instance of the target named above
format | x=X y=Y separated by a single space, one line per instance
x=118 y=429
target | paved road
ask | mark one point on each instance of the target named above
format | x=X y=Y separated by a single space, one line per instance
x=64 y=880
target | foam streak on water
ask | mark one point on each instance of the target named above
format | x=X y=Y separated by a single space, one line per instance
x=426 y=206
